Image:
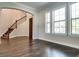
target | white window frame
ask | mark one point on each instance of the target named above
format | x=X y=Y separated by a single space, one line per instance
x=72 y=34
x=68 y=22
x=53 y=23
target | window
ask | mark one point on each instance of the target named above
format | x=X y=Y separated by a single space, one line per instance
x=47 y=25
x=75 y=18
x=58 y=17
x=56 y=20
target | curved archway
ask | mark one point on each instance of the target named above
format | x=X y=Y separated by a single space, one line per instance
x=16 y=20
x=16 y=9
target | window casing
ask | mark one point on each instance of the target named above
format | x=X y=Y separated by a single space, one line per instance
x=58 y=21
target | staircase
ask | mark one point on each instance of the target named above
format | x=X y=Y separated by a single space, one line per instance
x=11 y=28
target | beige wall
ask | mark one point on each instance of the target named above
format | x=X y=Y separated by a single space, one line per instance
x=25 y=8
x=8 y=17
x=22 y=27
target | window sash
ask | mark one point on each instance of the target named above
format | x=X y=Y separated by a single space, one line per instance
x=59 y=27
x=58 y=13
x=75 y=18
x=74 y=26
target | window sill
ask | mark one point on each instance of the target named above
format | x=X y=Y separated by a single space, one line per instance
x=74 y=35
x=59 y=34
x=62 y=34
x=56 y=34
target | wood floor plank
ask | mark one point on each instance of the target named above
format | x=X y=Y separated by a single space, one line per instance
x=19 y=47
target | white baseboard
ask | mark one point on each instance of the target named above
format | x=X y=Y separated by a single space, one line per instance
x=20 y=36
x=73 y=46
x=16 y=36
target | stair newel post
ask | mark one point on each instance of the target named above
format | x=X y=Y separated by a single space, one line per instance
x=16 y=23
x=30 y=31
x=8 y=38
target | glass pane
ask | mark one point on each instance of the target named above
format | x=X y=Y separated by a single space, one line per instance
x=48 y=17
x=62 y=24
x=57 y=24
x=77 y=30
x=77 y=13
x=62 y=30
x=73 y=14
x=73 y=11
x=77 y=22
x=73 y=30
x=60 y=14
x=57 y=30
x=57 y=12
x=48 y=28
x=62 y=17
x=62 y=11
x=73 y=22
x=77 y=6
x=57 y=18
x=57 y=15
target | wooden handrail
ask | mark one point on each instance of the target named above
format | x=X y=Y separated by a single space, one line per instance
x=12 y=24
x=17 y=21
x=21 y=18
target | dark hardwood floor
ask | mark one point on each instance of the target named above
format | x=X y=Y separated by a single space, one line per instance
x=19 y=47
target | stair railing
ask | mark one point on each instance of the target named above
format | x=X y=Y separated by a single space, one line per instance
x=13 y=26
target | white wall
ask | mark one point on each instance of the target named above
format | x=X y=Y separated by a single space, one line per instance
x=25 y=8
x=60 y=39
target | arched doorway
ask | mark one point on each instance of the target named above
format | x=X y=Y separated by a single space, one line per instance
x=15 y=20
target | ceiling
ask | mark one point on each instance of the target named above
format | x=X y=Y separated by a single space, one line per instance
x=34 y=4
